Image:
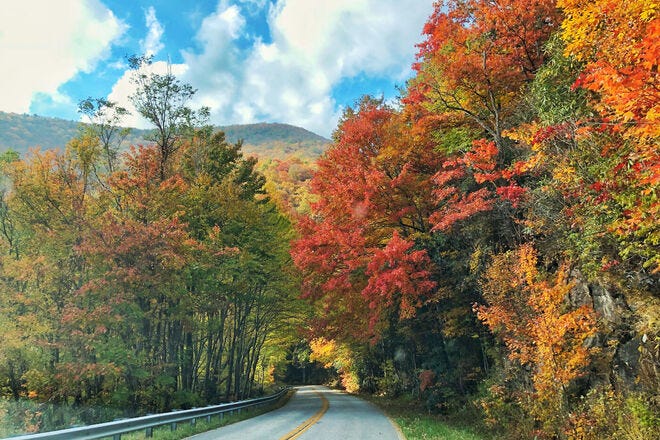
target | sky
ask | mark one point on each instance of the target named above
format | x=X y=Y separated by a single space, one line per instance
x=300 y=62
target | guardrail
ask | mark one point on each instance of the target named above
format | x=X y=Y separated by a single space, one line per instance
x=148 y=423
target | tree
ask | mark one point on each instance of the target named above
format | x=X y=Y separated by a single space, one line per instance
x=530 y=313
x=618 y=44
x=477 y=57
x=49 y=205
x=162 y=100
x=370 y=202
x=288 y=183
x=104 y=118
x=212 y=155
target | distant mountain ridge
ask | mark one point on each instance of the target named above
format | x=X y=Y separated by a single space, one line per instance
x=21 y=132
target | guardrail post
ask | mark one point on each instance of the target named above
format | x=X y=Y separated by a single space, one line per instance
x=116 y=437
x=208 y=419
x=193 y=421
x=173 y=426
x=149 y=432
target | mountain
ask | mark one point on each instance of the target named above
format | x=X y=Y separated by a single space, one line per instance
x=21 y=132
x=276 y=140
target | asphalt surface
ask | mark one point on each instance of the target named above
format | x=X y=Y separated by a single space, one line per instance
x=313 y=413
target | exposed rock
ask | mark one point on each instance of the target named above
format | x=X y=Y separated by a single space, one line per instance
x=610 y=306
x=615 y=313
x=626 y=361
x=604 y=303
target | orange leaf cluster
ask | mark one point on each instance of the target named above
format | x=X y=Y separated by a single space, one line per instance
x=533 y=316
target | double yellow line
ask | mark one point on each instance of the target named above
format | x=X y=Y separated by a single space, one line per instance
x=300 y=429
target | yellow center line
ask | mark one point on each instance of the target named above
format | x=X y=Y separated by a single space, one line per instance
x=300 y=429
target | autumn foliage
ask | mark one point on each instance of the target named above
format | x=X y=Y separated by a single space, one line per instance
x=489 y=243
x=529 y=313
x=500 y=224
x=137 y=290
x=355 y=254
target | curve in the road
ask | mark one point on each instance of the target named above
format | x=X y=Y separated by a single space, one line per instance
x=351 y=418
x=313 y=413
x=300 y=429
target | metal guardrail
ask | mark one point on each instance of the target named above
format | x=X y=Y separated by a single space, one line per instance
x=148 y=423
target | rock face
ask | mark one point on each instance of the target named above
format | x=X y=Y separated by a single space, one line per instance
x=618 y=341
x=626 y=361
x=610 y=306
x=606 y=305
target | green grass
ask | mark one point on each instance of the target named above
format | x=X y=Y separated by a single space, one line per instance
x=186 y=429
x=416 y=424
x=427 y=427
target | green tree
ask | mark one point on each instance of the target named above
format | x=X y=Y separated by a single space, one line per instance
x=162 y=100
x=104 y=119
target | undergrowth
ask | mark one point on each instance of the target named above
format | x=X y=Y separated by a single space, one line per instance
x=417 y=423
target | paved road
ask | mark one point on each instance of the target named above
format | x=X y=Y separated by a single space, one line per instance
x=313 y=413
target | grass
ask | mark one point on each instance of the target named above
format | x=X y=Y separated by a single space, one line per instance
x=416 y=424
x=426 y=427
x=186 y=429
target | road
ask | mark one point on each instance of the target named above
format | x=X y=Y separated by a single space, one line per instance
x=313 y=413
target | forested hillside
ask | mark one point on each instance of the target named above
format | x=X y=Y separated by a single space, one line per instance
x=492 y=245
x=21 y=132
x=276 y=140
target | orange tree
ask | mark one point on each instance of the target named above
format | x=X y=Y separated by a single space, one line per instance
x=530 y=312
x=619 y=45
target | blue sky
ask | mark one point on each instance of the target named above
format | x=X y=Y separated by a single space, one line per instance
x=293 y=61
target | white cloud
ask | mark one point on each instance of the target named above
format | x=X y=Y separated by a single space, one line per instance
x=152 y=44
x=218 y=69
x=315 y=45
x=253 y=7
x=43 y=44
x=322 y=42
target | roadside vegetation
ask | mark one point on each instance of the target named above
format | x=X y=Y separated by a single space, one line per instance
x=143 y=281
x=417 y=423
x=492 y=241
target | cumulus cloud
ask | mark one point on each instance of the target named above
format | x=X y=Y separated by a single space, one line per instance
x=43 y=44
x=152 y=44
x=314 y=46
x=218 y=70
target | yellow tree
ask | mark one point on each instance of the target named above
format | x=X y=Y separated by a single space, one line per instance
x=619 y=44
x=531 y=313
